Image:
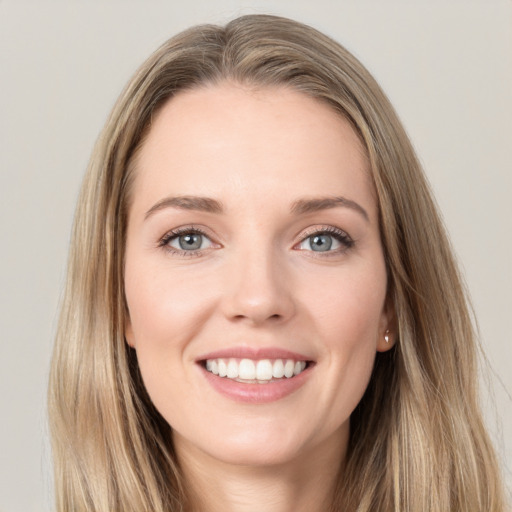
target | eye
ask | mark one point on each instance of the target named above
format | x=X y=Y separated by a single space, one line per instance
x=321 y=242
x=189 y=242
x=186 y=241
x=326 y=240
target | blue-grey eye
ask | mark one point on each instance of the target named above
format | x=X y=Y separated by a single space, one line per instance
x=190 y=242
x=320 y=242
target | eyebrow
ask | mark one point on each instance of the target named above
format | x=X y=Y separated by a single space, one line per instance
x=299 y=207
x=303 y=206
x=203 y=204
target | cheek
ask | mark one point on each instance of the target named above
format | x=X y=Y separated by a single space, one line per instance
x=348 y=318
x=165 y=307
x=166 y=311
x=349 y=306
x=349 y=325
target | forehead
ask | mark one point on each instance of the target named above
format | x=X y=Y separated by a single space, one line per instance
x=230 y=138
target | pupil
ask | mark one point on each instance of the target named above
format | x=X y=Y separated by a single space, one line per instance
x=321 y=242
x=190 y=241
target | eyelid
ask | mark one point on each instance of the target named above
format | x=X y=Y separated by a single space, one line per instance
x=323 y=228
x=163 y=242
x=341 y=235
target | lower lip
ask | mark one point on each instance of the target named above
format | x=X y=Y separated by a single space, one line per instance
x=256 y=393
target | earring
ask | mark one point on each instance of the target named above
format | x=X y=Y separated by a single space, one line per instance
x=386 y=336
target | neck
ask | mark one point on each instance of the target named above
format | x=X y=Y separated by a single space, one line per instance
x=305 y=484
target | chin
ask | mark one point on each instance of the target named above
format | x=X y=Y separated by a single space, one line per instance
x=257 y=456
x=257 y=446
x=262 y=444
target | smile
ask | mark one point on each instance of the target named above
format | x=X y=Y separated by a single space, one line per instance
x=251 y=371
x=256 y=376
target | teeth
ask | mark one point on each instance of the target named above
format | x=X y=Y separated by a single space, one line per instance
x=288 y=368
x=212 y=366
x=278 y=369
x=263 y=370
x=223 y=369
x=247 y=369
x=232 y=372
x=299 y=366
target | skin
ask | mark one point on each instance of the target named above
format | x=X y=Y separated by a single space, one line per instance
x=257 y=282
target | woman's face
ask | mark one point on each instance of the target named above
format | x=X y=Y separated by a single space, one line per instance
x=255 y=277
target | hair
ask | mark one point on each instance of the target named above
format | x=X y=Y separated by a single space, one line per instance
x=417 y=440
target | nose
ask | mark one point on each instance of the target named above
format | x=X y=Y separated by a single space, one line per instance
x=259 y=289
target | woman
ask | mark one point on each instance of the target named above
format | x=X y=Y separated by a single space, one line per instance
x=262 y=309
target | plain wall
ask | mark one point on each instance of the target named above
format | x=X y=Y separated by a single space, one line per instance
x=446 y=65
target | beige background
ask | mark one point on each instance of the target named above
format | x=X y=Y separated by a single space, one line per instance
x=446 y=65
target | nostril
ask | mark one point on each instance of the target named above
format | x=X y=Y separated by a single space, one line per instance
x=257 y=318
x=257 y=305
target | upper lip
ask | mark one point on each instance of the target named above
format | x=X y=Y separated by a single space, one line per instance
x=254 y=353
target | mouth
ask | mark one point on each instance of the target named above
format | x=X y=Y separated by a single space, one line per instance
x=255 y=371
x=255 y=375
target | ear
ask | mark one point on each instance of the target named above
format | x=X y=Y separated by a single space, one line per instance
x=388 y=328
x=128 y=332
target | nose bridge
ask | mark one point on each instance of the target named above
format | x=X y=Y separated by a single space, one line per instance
x=259 y=289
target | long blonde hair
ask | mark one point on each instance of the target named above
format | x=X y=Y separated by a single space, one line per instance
x=417 y=438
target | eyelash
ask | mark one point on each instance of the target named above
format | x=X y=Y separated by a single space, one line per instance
x=341 y=236
x=174 y=233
